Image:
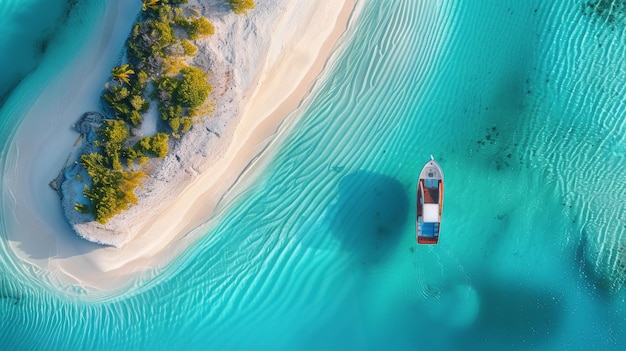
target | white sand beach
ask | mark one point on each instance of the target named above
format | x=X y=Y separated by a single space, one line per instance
x=262 y=65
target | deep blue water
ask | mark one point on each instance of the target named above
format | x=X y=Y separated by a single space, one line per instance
x=522 y=104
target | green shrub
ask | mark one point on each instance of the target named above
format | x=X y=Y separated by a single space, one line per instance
x=155 y=145
x=135 y=118
x=241 y=7
x=115 y=96
x=174 y=123
x=165 y=13
x=111 y=191
x=131 y=155
x=188 y=47
x=193 y=88
x=138 y=48
x=180 y=125
x=164 y=35
x=167 y=85
x=185 y=124
x=196 y=27
x=137 y=102
x=113 y=134
x=116 y=93
x=142 y=80
x=170 y=112
x=126 y=106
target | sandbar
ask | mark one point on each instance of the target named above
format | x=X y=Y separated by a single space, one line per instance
x=303 y=36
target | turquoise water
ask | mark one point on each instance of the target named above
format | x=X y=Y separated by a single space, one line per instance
x=28 y=28
x=522 y=104
x=38 y=39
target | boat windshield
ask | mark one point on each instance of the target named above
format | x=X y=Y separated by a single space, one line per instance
x=431 y=183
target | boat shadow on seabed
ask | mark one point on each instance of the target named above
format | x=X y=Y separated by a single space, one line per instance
x=369 y=213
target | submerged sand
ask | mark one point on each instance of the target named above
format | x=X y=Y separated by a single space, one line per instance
x=262 y=67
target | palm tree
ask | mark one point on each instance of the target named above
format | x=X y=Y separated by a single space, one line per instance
x=149 y=4
x=121 y=73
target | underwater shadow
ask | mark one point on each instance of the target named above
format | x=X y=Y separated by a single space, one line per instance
x=369 y=213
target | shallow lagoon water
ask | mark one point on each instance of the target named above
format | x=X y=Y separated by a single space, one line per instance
x=522 y=104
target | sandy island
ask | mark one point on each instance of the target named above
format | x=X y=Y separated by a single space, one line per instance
x=262 y=67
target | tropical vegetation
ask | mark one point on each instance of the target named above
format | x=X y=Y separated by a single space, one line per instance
x=156 y=71
x=149 y=4
x=111 y=191
x=196 y=27
x=241 y=6
x=122 y=74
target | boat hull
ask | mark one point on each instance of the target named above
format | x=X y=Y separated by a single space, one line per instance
x=429 y=204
